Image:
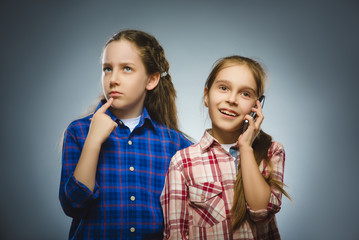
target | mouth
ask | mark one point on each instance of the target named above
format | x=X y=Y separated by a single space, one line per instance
x=115 y=94
x=229 y=112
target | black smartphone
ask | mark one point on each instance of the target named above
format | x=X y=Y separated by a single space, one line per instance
x=253 y=114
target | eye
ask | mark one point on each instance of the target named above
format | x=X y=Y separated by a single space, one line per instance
x=127 y=69
x=223 y=88
x=246 y=95
x=107 y=69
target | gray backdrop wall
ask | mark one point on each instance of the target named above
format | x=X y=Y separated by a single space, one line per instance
x=50 y=75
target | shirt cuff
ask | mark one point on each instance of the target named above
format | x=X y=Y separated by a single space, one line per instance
x=78 y=194
x=265 y=214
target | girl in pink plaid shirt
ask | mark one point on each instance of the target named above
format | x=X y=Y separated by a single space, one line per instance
x=230 y=184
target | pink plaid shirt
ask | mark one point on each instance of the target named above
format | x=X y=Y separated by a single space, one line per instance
x=198 y=194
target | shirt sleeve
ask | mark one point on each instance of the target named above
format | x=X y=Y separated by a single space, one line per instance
x=174 y=202
x=276 y=156
x=74 y=196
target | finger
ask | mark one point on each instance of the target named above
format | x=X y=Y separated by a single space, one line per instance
x=259 y=113
x=259 y=120
x=254 y=124
x=250 y=120
x=257 y=108
x=259 y=105
x=105 y=106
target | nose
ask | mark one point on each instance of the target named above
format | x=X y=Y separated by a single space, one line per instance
x=232 y=98
x=114 y=78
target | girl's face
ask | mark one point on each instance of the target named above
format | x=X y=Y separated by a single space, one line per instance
x=124 y=78
x=231 y=96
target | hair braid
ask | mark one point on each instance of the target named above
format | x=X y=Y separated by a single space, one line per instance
x=260 y=145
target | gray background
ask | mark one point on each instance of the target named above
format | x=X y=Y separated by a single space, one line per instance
x=50 y=75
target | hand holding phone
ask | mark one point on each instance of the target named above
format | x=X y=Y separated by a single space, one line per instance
x=252 y=114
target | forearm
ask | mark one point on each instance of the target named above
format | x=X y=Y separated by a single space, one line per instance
x=256 y=189
x=85 y=171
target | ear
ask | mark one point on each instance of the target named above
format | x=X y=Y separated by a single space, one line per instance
x=205 y=94
x=152 y=81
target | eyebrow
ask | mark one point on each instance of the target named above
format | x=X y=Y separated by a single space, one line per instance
x=121 y=63
x=229 y=83
x=222 y=81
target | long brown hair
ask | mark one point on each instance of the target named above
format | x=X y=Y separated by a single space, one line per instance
x=260 y=145
x=159 y=102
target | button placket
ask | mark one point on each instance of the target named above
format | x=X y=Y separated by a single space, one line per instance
x=132 y=198
x=131 y=168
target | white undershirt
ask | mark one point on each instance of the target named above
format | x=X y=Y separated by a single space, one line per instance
x=228 y=146
x=131 y=123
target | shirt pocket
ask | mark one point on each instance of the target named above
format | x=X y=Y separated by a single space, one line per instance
x=206 y=203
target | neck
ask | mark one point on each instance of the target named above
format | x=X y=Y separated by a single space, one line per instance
x=124 y=114
x=225 y=137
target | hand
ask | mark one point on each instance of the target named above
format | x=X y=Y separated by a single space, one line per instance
x=101 y=124
x=247 y=138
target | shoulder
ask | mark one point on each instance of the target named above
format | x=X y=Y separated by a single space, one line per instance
x=172 y=135
x=276 y=149
x=188 y=155
x=79 y=124
x=276 y=155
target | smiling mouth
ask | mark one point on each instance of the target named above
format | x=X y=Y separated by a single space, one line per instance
x=228 y=113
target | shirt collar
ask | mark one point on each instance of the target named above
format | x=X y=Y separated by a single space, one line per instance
x=208 y=140
x=145 y=117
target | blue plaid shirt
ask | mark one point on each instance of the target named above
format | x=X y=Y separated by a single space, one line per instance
x=125 y=203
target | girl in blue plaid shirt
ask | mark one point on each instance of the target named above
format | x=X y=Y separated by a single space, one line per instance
x=114 y=161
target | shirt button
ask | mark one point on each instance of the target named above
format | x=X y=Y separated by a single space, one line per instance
x=129 y=142
x=132 y=198
x=132 y=169
x=202 y=197
x=132 y=229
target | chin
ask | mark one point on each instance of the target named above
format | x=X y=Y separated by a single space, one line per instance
x=116 y=105
x=233 y=130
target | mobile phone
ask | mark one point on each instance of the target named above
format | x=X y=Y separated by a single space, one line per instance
x=253 y=114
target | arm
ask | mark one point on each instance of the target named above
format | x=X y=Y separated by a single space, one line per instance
x=100 y=128
x=74 y=196
x=275 y=167
x=174 y=204
x=256 y=189
x=78 y=187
